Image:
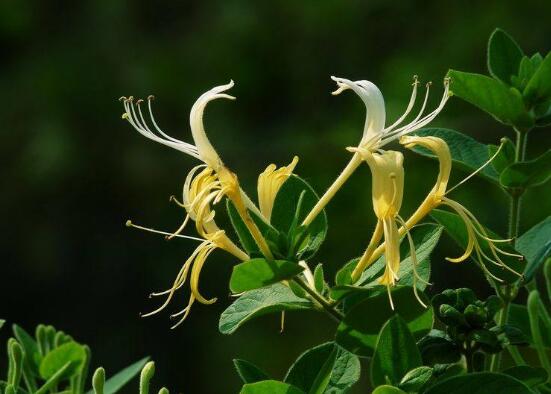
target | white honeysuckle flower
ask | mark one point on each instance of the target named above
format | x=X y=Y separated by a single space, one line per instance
x=202 y=149
x=375 y=134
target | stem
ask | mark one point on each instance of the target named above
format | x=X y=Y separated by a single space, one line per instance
x=515 y=355
x=352 y=165
x=495 y=361
x=324 y=303
x=533 y=314
x=516 y=194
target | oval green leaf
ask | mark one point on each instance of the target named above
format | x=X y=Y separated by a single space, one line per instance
x=71 y=352
x=480 y=383
x=270 y=387
x=257 y=273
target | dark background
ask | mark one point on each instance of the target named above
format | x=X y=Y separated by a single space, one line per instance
x=72 y=172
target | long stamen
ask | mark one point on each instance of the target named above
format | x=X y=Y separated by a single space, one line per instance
x=501 y=145
x=409 y=107
x=130 y=224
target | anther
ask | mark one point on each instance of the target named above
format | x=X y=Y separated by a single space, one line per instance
x=139 y=101
x=150 y=97
x=122 y=98
x=129 y=223
x=428 y=84
x=131 y=98
x=124 y=116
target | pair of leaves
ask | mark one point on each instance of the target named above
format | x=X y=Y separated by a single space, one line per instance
x=359 y=329
x=326 y=368
x=519 y=84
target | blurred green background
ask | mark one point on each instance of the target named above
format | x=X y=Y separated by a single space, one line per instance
x=72 y=171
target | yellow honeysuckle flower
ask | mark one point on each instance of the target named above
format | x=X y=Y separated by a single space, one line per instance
x=387 y=172
x=202 y=149
x=201 y=190
x=375 y=134
x=269 y=183
x=437 y=196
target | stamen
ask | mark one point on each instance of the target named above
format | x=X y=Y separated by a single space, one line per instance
x=130 y=224
x=409 y=107
x=501 y=145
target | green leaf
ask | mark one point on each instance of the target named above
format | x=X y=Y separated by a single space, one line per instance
x=505 y=157
x=254 y=303
x=457 y=230
x=503 y=103
x=528 y=173
x=425 y=239
x=359 y=329
x=30 y=348
x=285 y=216
x=465 y=151
x=535 y=246
x=416 y=378
x=248 y=372
x=386 y=389
x=518 y=318
x=259 y=272
x=437 y=348
x=245 y=238
x=480 y=383
x=120 y=379
x=504 y=56
x=319 y=279
x=59 y=374
x=71 y=353
x=538 y=88
x=309 y=367
x=530 y=376
x=395 y=353
x=270 y=387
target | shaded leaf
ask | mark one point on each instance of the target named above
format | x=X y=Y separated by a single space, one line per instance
x=359 y=329
x=535 y=245
x=528 y=173
x=530 y=376
x=416 y=378
x=386 y=389
x=248 y=372
x=480 y=383
x=395 y=353
x=539 y=87
x=306 y=369
x=504 y=56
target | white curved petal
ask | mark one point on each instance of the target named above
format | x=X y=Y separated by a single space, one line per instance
x=374 y=105
x=207 y=153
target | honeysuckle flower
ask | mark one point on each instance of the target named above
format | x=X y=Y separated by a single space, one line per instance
x=437 y=196
x=202 y=149
x=387 y=172
x=269 y=183
x=375 y=135
x=201 y=190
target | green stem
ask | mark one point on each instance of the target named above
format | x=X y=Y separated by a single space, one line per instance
x=515 y=355
x=516 y=194
x=495 y=361
x=324 y=303
x=533 y=314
